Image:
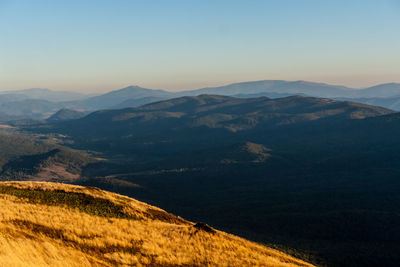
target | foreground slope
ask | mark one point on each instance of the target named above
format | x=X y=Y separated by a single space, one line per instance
x=62 y=225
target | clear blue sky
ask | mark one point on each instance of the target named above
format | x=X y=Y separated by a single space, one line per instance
x=102 y=45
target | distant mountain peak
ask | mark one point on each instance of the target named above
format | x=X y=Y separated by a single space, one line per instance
x=382 y=90
x=135 y=87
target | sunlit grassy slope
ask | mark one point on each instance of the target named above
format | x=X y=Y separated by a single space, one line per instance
x=50 y=224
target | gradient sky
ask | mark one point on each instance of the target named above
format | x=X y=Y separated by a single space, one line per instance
x=96 y=46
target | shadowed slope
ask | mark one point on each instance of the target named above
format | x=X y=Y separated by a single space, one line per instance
x=212 y=111
x=65 y=115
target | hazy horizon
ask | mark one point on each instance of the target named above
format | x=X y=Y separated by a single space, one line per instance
x=99 y=46
x=187 y=89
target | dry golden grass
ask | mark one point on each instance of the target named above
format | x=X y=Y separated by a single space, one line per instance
x=49 y=231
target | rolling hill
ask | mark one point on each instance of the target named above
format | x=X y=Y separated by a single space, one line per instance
x=43 y=94
x=30 y=108
x=113 y=98
x=136 y=102
x=381 y=90
x=276 y=86
x=48 y=224
x=301 y=88
x=205 y=118
x=11 y=97
x=389 y=102
x=31 y=157
x=134 y=96
x=65 y=115
x=35 y=103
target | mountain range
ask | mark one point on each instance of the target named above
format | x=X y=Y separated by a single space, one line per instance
x=314 y=177
x=39 y=104
x=43 y=94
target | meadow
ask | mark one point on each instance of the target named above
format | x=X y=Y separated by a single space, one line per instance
x=51 y=224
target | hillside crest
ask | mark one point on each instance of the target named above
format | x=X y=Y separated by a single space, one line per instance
x=51 y=224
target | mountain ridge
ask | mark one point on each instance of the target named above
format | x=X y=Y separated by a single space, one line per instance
x=46 y=94
x=133 y=96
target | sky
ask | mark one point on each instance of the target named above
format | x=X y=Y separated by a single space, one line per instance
x=96 y=46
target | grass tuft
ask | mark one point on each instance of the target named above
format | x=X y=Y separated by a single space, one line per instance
x=83 y=202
